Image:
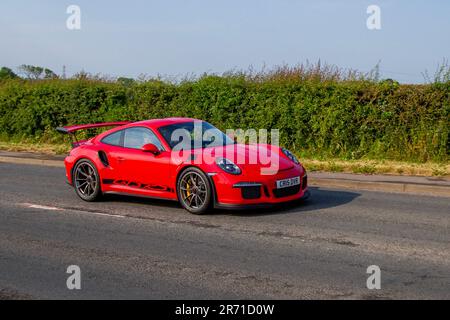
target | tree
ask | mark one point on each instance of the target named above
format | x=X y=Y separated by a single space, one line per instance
x=49 y=74
x=36 y=72
x=7 y=73
x=31 y=72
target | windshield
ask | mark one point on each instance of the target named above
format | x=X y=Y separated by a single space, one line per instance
x=193 y=135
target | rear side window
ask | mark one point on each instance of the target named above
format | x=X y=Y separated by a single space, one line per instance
x=113 y=139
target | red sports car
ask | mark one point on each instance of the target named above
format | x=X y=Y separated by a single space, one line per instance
x=185 y=160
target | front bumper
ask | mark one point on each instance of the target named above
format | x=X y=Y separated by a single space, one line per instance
x=227 y=206
x=241 y=191
x=69 y=162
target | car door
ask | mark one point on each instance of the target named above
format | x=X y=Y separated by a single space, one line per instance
x=146 y=172
x=110 y=151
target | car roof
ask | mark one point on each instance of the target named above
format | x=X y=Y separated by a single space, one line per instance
x=152 y=123
x=157 y=123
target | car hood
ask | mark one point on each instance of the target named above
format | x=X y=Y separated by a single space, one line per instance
x=250 y=157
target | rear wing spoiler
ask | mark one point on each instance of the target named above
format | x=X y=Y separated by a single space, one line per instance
x=72 y=129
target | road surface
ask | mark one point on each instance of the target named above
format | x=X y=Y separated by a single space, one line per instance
x=147 y=249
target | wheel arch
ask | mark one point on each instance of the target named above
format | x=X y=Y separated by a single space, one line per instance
x=81 y=158
x=211 y=182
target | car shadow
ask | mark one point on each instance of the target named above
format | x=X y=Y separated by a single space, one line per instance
x=319 y=199
x=123 y=198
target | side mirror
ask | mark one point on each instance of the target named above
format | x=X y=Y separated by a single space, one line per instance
x=150 y=147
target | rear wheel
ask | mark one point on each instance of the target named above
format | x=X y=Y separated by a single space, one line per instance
x=86 y=180
x=194 y=191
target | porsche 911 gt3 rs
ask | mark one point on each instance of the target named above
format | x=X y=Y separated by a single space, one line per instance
x=168 y=159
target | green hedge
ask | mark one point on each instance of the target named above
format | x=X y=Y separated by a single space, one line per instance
x=344 y=119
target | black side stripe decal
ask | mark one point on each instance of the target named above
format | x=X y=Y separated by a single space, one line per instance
x=137 y=185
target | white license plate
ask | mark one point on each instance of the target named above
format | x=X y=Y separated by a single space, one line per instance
x=288 y=182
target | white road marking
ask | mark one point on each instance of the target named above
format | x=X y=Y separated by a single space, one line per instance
x=102 y=214
x=38 y=206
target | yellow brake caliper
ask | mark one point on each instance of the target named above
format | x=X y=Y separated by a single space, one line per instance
x=188 y=190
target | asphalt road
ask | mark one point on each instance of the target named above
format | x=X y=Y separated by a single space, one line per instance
x=138 y=248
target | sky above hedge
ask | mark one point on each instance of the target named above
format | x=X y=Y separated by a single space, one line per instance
x=176 y=37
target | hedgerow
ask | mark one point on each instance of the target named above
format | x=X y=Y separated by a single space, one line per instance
x=322 y=118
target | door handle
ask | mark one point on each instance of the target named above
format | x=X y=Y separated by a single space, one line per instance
x=120 y=159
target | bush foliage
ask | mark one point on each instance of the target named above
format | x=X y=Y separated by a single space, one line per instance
x=317 y=117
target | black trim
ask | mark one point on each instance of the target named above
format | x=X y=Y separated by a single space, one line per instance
x=304 y=182
x=138 y=195
x=214 y=192
x=266 y=191
x=264 y=205
x=286 y=192
x=249 y=190
x=62 y=130
x=253 y=192
x=72 y=134
x=137 y=185
x=103 y=158
x=228 y=206
x=247 y=184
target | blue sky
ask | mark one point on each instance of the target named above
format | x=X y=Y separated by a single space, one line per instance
x=176 y=37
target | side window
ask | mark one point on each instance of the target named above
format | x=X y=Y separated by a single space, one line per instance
x=137 y=137
x=113 y=139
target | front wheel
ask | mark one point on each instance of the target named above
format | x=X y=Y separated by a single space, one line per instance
x=86 y=180
x=194 y=191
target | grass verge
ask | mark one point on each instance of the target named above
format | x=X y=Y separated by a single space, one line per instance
x=379 y=167
x=47 y=148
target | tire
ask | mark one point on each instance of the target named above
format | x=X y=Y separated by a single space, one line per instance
x=86 y=180
x=194 y=191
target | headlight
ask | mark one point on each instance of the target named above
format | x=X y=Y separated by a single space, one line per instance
x=290 y=155
x=228 y=166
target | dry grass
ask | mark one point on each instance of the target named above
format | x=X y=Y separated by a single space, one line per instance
x=334 y=165
x=46 y=148
x=379 y=167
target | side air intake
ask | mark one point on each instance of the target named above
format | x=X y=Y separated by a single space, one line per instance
x=103 y=158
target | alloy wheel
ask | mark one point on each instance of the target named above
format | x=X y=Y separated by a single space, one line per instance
x=193 y=190
x=86 y=180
